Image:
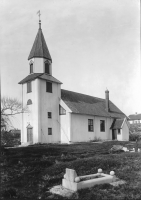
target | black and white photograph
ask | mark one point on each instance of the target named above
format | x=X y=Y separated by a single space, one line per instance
x=70 y=99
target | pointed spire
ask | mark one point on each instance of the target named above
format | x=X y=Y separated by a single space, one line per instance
x=39 y=48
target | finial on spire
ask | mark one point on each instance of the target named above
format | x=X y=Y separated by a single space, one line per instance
x=39 y=14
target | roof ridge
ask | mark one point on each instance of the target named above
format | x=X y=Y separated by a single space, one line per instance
x=37 y=36
x=83 y=94
x=36 y=42
x=135 y=114
x=42 y=41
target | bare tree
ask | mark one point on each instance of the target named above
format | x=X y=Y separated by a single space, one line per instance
x=9 y=108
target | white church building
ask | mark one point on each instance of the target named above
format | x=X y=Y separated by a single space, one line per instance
x=61 y=116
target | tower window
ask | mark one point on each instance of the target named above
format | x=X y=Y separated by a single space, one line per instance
x=118 y=131
x=49 y=115
x=29 y=87
x=102 y=125
x=49 y=131
x=47 y=68
x=90 y=125
x=48 y=87
x=62 y=111
x=31 y=68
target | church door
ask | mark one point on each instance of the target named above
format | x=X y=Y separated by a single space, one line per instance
x=29 y=134
x=114 y=134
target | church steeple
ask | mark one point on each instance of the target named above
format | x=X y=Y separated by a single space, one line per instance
x=39 y=48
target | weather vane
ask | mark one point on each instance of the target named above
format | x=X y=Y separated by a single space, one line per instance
x=39 y=14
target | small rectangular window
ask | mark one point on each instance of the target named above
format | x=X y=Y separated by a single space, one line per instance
x=90 y=125
x=47 y=68
x=118 y=131
x=31 y=68
x=102 y=125
x=48 y=87
x=62 y=111
x=49 y=131
x=49 y=115
x=29 y=87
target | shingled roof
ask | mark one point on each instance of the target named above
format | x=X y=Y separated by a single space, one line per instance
x=39 y=48
x=117 y=124
x=40 y=76
x=135 y=117
x=85 y=104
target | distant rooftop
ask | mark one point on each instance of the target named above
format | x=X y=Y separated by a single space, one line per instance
x=135 y=117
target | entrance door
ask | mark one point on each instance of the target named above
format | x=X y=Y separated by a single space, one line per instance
x=114 y=134
x=29 y=134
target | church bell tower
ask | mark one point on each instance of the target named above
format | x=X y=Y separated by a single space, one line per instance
x=39 y=58
x=41 y=92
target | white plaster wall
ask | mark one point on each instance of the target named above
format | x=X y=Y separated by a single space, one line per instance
x=49 y=102
x=42 y=103
x=109 y=131
x=65 y=124
x=79 y=128
x=125 y=132
x=65 y=127
x=50 y=68
x=32 y=117
x=107 y=135
x=119 y=136
x=39 y=66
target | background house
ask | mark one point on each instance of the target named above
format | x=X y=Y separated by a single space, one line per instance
x=134 y=118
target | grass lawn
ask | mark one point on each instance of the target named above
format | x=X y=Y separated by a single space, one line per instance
x=29 y=172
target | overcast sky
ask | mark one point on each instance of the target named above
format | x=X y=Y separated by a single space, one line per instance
x=94 y=45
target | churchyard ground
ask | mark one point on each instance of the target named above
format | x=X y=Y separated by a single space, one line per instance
x=29 y=172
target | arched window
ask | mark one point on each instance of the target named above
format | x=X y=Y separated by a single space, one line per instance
x=47 y=71
x=31 y=68
x=29 y=102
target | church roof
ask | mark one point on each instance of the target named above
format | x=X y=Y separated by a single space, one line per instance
x=40 y=76
x=117 y=124
x=39 y=48
x=85 y=104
